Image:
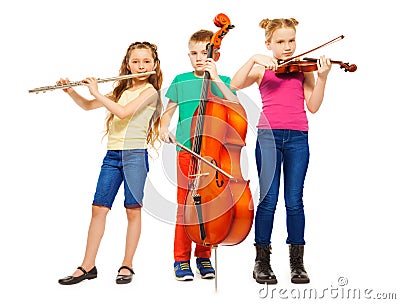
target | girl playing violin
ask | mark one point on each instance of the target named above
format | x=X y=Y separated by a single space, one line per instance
x=132 y=125
x=282 y=142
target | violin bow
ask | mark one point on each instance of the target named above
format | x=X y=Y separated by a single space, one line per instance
x=282 y=62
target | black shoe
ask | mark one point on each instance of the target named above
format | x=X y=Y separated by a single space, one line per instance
x=262 y=272
x=87 y=275
x=124 y=278
x=298 y=273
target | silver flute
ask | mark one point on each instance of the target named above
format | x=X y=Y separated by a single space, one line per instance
x=78 y=83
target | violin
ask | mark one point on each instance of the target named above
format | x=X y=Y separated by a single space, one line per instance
x=292 y=64
x=218 y=208
x=310 y=65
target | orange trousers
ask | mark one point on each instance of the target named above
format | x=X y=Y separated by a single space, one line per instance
x=182 y=243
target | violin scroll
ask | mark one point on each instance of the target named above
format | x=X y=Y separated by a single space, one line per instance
x=347 y=67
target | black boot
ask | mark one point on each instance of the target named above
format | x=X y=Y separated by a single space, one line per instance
x=298 y=273
x=262 y=272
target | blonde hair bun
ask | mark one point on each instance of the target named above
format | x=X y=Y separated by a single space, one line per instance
x=264 y=23
x=271 y=25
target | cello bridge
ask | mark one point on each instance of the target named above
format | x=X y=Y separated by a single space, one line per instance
x=199 y=174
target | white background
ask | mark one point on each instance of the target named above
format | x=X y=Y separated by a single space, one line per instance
x=51 y=150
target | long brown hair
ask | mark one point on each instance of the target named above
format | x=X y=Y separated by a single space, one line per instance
x=155 y=80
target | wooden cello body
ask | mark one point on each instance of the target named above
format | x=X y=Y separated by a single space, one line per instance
x=219 y=207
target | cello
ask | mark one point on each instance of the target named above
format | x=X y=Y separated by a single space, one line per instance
x=219 y=206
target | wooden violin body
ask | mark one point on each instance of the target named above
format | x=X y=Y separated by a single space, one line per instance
x=310 y=65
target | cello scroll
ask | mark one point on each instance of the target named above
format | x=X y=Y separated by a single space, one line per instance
x=222 y=21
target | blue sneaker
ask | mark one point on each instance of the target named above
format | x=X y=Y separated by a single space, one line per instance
x=183 y=272
x=204 y=268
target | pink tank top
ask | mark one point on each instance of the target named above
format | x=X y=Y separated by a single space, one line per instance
x=282 y=102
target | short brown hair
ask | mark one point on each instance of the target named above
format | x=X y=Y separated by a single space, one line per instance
x=201 y=36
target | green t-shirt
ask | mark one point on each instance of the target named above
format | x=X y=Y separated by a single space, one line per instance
x=185 y=90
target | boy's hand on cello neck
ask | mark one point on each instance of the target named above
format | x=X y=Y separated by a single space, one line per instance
x=211 y=67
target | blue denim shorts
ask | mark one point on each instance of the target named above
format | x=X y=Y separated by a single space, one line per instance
x=128 y=166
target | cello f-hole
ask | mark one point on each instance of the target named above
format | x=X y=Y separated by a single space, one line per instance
x=217 y=181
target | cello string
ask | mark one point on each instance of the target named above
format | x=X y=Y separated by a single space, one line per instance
x=199 y=131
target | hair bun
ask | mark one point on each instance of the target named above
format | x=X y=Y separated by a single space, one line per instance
x=295 y=22
x=264 y=23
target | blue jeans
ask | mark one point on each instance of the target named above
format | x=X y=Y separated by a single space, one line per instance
x=277 y=150
x=128 y=166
